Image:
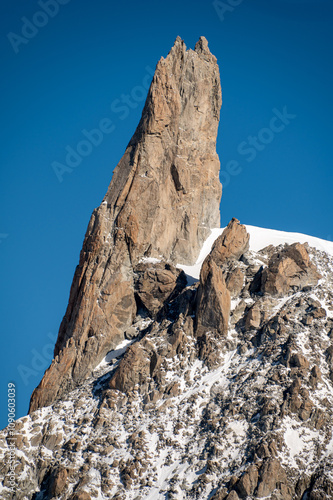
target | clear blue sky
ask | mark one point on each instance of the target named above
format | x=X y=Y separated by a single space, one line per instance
x=75 y=71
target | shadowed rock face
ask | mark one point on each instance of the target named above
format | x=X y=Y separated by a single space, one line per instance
x=213 y=302
x=155 y=284
x=162 y=201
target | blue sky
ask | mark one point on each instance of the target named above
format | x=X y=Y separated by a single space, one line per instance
x=87 y=65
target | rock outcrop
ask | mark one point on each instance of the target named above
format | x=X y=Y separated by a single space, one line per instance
x=207 y=397
x=157 y=283
x=288 y=271
x=231 y=245
x=213 y=301
x=162 y=201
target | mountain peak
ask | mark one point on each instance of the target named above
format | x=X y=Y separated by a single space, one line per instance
x=164 y=386
x=179 y=41
x=202 y=46
x=162 y=201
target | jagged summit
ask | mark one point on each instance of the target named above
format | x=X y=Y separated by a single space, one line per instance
x=162 y=201
x=201 y=47
x=216 y=384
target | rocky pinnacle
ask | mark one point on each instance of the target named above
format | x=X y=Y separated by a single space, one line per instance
x=162 y=202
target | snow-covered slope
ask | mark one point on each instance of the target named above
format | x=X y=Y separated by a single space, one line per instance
x=259 y=238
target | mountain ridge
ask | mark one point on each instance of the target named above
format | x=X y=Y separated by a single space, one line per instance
x=259 y=238
x=250 y=423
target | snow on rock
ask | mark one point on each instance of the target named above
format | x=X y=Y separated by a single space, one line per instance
x=267 y=395
x=259 y=239
x=194 y=271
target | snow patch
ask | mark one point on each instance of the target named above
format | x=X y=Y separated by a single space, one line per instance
x=115 y=353
x=194 y=271
x=150 y=260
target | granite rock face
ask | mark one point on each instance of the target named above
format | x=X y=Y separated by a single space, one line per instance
x=161 y=203
x=157 y=283
x=213 y=301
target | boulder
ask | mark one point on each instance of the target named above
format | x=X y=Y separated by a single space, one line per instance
x=253 y=317
x=134 y=369
x=248 y=482
x=220 y=494
x=288 y=271
x=232 y=244
x=232 y=496
x=80 y=495
x=57 y=483
x=271 y=476
x=157 y=283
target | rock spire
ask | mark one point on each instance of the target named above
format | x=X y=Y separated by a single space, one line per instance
x=162 y=201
